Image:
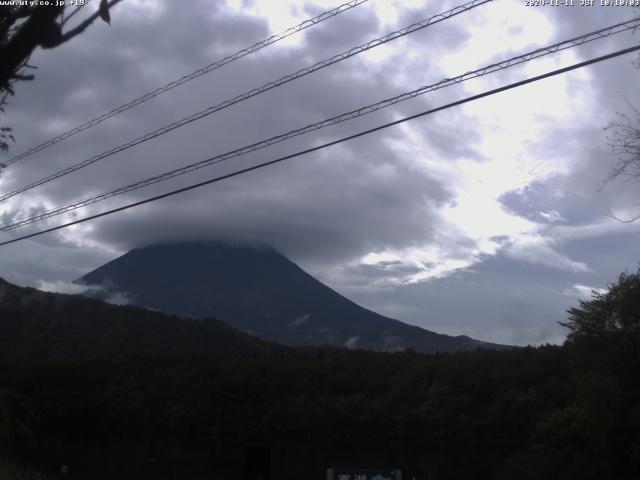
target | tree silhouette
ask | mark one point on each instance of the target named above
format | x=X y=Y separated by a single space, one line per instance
x=624 y=141
x=23 y=28
x=608 y=315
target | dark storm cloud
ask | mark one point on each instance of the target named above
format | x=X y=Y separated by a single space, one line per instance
x=50 y=261
x=316 y=208
x=341 y=203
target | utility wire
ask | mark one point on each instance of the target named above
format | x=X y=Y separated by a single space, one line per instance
x=602 y=33
x=252 y=93
x=329 y=144
x=191 y=76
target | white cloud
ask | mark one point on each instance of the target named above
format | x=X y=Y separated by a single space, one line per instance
x=542 y=250
x=599 y=228
x=62 y=287
x=118 y=298
x=499 y=28
x=352 y=342
x=301 y=320
x=416 y=264
x=583 y=292
x=552 y=216
x=70 y=288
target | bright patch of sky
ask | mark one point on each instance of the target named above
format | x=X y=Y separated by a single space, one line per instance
x=512 y=145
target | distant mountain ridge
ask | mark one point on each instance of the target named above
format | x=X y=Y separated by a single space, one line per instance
x=259 y=291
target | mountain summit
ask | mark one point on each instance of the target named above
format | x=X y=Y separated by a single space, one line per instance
x=259 y=291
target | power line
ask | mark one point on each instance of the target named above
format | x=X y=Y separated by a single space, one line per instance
x=573 y=42
x=329 y=144
x=252 y=93
x=191 y=76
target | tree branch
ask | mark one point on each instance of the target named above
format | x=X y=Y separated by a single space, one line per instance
x=630 y=220
x=70 y=16
x=33 y=32
x=66 y=36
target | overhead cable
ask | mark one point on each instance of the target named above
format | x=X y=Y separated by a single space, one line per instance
x=191 y=76
x=573 y=42
x=252 y=93
x=329 y=144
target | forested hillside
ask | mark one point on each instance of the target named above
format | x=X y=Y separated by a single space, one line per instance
x=570 y=411
x=45 y=327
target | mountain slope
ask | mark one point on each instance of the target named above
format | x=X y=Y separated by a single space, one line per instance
x=259 y=291
x=39 y=327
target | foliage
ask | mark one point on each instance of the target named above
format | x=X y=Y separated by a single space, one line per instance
x=610 y=315
x=566 y=412
x=604 y=343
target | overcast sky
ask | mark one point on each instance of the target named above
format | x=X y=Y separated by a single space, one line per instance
x=487 y=219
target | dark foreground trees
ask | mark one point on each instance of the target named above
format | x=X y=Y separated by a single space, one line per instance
x=604 y=347
x=609 y=316
x=604 y=333
x=564 y=412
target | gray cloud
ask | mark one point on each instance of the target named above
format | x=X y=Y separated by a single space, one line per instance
x=499 y=300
